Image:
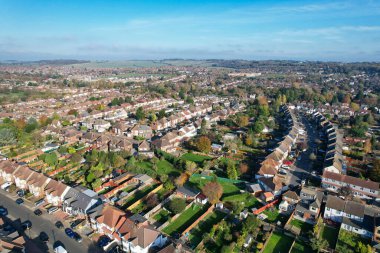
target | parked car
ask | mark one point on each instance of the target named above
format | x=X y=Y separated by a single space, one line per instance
x=20 y=193
x=103 y=241
x=9 y=228
x=3 y=211
x=19 y=201
x=44 y=237
x=37 y=212
x=77 y=237
x=60 y=249
x=39 y=202
x=6 y=185
x=75 y=223
x=69 y=232
x=59 y=224
x=26 y=225
x=52 y=210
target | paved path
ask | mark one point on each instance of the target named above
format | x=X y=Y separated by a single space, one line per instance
x=45 y=223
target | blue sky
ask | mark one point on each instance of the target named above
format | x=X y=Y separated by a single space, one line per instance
x=120 y=30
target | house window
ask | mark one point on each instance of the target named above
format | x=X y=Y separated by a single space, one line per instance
x=372 y=191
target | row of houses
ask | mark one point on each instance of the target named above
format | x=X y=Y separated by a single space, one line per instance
x=133 y=233
x=268 y=175
x=334 y=160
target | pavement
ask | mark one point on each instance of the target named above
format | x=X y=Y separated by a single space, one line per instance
x=46 y=223
x=302 y=169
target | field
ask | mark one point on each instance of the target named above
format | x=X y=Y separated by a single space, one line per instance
x=278 y=244
x=185 y=219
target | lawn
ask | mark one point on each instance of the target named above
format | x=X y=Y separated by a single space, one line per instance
x=305 y=227
x=330 y=234
x=162 y=217
x=274 y=216
x=205 y=226
x=301 y=247
x=185 y=219
x=165 y=167
x=195 y=157
x=247 y=198
x=139 y=194
x=278 y=243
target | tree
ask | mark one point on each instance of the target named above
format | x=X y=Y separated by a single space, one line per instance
x=7 y=137
x=367 y=146
x=258 y=126
x=140 y=114
x=161 y=114
x=117 y=161
x=243 y=168
x=318 y=244
x=51 y=159
x=242 y=120
x=152 y=200
x=375 y=172
x=203 y=127
x=153 y=117
x=76 y=158
x=31 y=125
x=190 y=167
x=177 y=205
x=355 y=106
x=213 y=191
x=71 y=150
x=231 y=170
x=203 y=144
x=181 y=180
x=90 y=178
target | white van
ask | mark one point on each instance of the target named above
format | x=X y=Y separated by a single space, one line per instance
x=60 y=249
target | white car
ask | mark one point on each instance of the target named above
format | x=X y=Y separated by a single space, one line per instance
x=6 y=185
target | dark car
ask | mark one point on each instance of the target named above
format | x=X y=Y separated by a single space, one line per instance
x=37 y=212
x=44 y=237
x=3 y=211
x=9 y=228
x=75 y=223
x=20 y=193
x=26 y=225
x=59 y=224
x=69 y=232
x=103 y=241
x=19 y=201
x=77 y=237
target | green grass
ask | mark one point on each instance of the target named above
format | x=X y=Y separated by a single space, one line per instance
x=249 y=200
x=185 y=219
x=162 y=216
x=330 y=234
x=139 y=194
x=274 y=216
x=205 y=226
x=129 y=188
x=278 y=243
x=301 y=247
x=305 y=227
x=165 y=167
x=195 y=157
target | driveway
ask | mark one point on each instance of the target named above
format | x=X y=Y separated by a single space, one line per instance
x=45 y=223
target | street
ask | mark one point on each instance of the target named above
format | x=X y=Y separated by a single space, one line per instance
x=302 y=168
x=45 y=223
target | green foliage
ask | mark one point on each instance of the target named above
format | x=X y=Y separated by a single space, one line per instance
x=51 y=159
x=177 y=205
x=231 y=170
x=140 y=114
x=7 y=137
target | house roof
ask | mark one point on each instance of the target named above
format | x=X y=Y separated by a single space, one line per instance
x=354 y=208
x=55 y=188
x=8 y=166
x=145 y=236
x=291 y=195
x=188 y=191
x=110 y=216
x=335 y=203
x=352 y=180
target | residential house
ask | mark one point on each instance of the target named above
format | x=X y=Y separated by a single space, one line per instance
x=37 y=183
x=7 y=168
x=21 y=176
x=289 y=202
x=144 y=149
x=361 y=188
x=79 y=201
x=274 y=185
x=143 y=131
x=55 y=192
x=308 y=208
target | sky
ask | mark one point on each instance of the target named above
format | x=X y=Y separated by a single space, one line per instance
x=346 y=30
